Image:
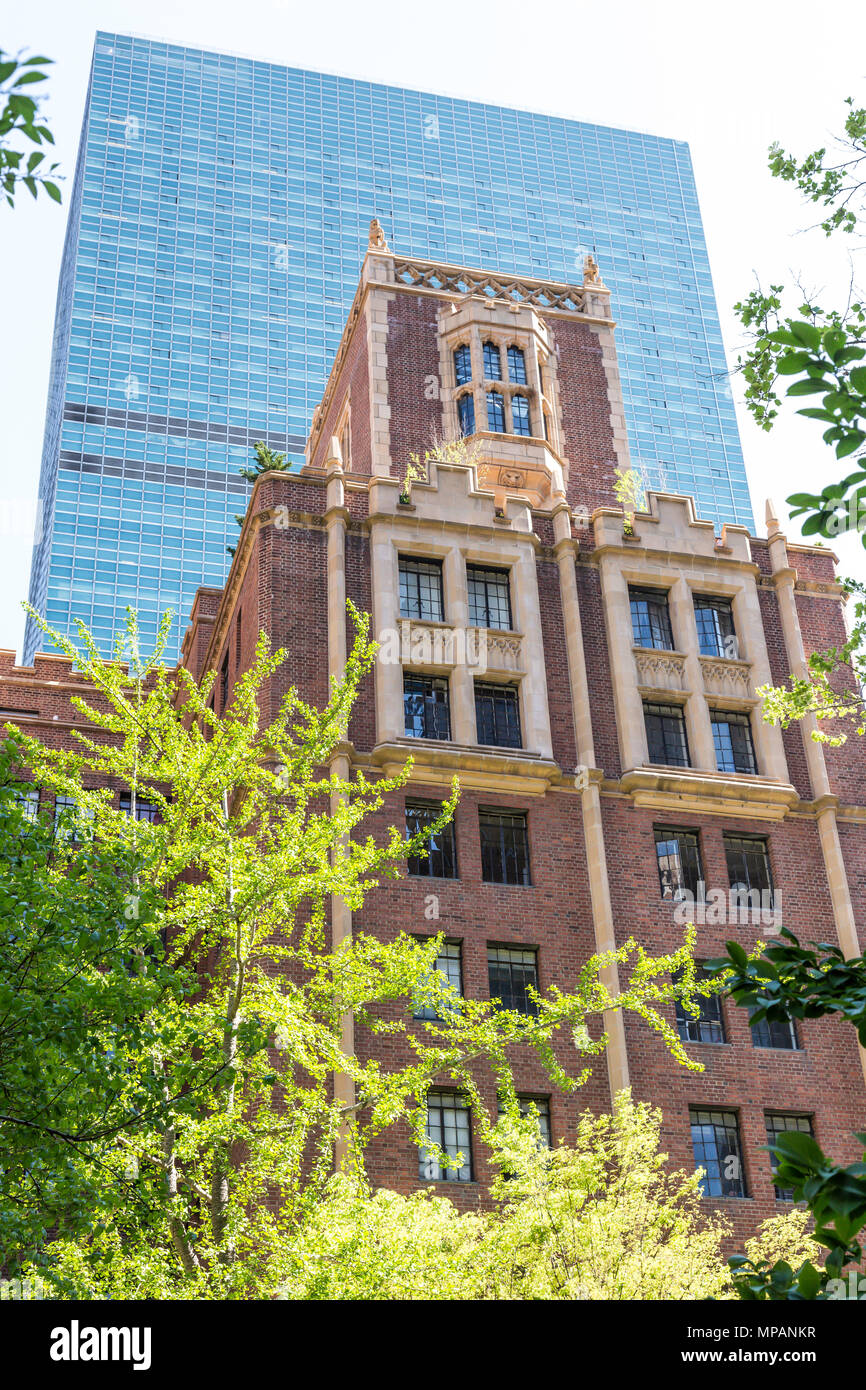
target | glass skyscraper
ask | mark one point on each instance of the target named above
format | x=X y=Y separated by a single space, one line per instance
x=217 y=223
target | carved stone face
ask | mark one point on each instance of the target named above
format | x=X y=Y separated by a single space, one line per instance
x=511 y=477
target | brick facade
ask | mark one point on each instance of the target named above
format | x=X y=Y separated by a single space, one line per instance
x=297 y=527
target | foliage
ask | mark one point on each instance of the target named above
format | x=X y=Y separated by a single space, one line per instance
x=597 y=1219
x=226 y=1117
x=820 y=351
x=831 y=688
x=630 y=491
x=789 y=981
x=20 y=116
x=461 y=451
x=81 y=971
x=266 y=461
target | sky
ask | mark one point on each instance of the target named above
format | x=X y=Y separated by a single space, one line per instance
x=728 y=79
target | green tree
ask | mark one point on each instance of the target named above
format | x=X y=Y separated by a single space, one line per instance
x=266 y=461
x=818 y=351
x=81 y=969
x=233 y=1133
x=600 y=1217
x=20 y=116
x=790 y=981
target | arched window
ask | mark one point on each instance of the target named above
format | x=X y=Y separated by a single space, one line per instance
x=462 y=364
x=495 y=412
x=492 y=363
x=516 y=366
x=466 y=413
x=520 y=415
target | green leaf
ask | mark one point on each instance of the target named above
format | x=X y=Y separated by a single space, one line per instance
x=852 y=441
x=806 y=387
x=52 y=190
x=30 y=77
x=791 y=362
x=807 y=333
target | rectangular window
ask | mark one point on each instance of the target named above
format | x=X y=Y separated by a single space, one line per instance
x=27 y=800
x=462 y=364
x=489 y=597
x=449 y=964
x=495 y=412
x=497 y=714
x=782 y=1034
x=709 y=1026
x=715 y=622
x=448 y=1126
x=516 y=366
x=224 y=682
x=748 y=860
x=440 y=860
x=421 y=589
x=732 y=738
x=678 y=854
x=504 y=847
x=650 y=619
x=144 y=810
x=520 y=415
x=426 y=708
x=492 y=363
x=466 y=412
x=781 y=1124
x=666 y=734
x=509 y=970
x=716 y=1142
x=70 y=821
x=539 y=1108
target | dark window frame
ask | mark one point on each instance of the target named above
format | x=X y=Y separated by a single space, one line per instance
x=462 y=359
x=785 y=1194
x=435 y=713
x=485 y=583
x=742 y=749
x=513 y=860
x=709 y=1026
x=442 y=1101
x=691 y=864
x=520 y=415
x=412 y=592
x=713 y=631
x=466 y=413
x=650 y=618
x=662 y=736
x=428 y=1014
x=491 y=356
x=504 y=959
x=775 y=1035
x=752 y=850
x=727 y=1143
x=497 y=714
x=516 y=359
x=444 y=855
x=496 y=412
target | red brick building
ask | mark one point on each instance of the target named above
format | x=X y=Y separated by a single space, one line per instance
x=591 y=683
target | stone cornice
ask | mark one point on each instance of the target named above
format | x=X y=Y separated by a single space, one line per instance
x=509 y=772
x=728 y=794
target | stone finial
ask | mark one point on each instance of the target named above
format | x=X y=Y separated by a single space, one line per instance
x=377 y=236
x=591 y=272
x=770 y=516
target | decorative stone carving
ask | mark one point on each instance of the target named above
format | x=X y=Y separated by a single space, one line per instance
x=660 y=670
x=377 y=236
x=512 y=477
x=723 y=677
x=542 y=294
